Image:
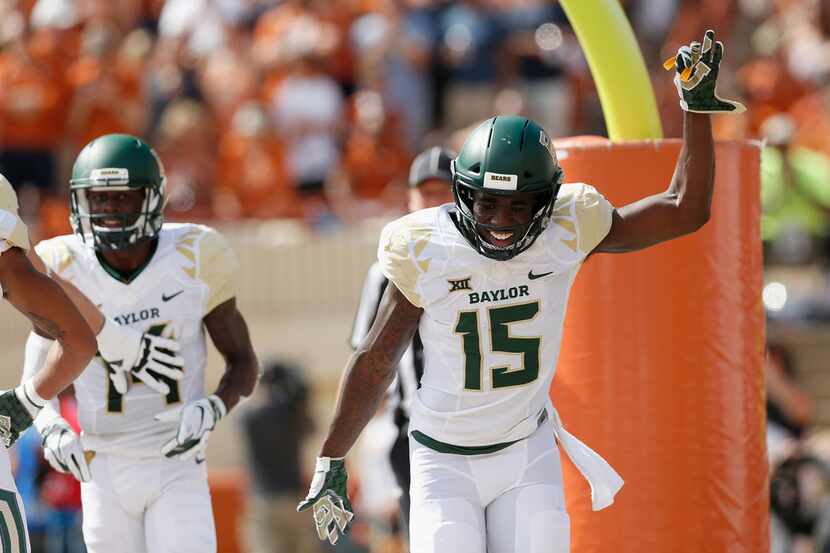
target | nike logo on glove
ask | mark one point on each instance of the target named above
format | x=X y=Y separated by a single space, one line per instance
x=166 y=298
x=531 y=276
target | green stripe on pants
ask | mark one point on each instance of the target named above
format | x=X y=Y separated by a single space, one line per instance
x=10 y=499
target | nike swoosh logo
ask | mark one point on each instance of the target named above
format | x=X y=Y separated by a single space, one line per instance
x=168 y=298
x=531 y=276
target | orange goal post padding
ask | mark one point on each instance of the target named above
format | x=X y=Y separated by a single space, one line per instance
x=661 y=364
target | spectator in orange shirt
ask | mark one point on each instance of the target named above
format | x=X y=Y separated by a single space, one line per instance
x=373 y=159
x=307 y=106
x=228 y=79
x=253 y=181
x=396 y=45
x=275 y=34
x=770 y=88
x=32 y=101
x=341 y=62
x=108 y=97
x=185 y=143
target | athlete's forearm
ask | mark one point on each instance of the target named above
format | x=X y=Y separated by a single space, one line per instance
x=239 y=379
x=229 y=332
x=370 y=370
x=364 y=383
x=680 y=209
x=44 y=303
x=67 y=358
x=694 y=177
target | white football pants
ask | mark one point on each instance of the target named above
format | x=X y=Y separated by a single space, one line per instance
x=511 y=501
x=14 y=536
x=147 y=506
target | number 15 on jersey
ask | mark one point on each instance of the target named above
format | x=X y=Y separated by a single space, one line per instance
x=499 y=319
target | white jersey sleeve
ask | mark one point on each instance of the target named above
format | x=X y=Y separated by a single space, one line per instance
x=218 y=267
x=585 y=216
x=13 y=232
x=56 y=255
x=400 y=254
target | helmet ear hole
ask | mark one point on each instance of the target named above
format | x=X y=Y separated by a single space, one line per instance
x=528 y=175
x=476 y=168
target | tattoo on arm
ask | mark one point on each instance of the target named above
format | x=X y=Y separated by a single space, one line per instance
x=371 y=370
x=46 y=326
x=36 y=296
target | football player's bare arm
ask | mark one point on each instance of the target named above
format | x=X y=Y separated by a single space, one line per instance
x=370 y=370
x=682 y=208
x=229 y=332
x=92 y=315
x=45 y=304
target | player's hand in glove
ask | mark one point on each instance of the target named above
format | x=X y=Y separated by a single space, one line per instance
x=18 y=408
x=696 y=76
x=196 y=420
x=329 y=499
x=149 y=358
x=63 y=450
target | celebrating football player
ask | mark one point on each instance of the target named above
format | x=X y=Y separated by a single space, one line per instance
x=144 y=427
x=485 y=283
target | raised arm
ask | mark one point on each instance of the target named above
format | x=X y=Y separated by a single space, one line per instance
x=682 y=208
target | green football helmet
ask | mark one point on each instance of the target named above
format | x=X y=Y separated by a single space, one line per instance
x=504 y=156
x=117 y=162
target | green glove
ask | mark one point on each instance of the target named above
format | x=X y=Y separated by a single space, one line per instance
x=18 y=408
x=696 y=76
x=329 y=500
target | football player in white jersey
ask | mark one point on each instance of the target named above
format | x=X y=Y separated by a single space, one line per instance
x=141 y=451
x=485 y=282
x=47 y=306
x=72 y=347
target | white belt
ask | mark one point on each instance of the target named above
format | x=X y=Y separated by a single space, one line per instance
x=603 y=479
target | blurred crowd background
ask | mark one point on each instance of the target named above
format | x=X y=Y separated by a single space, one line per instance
x=313 y=109
x=310 y=112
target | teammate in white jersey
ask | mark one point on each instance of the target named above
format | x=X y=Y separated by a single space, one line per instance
x=46 y=305
x=485 y=282
x=144 y=485
x=34 y=294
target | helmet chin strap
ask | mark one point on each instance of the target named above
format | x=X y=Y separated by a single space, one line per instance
x=516 y=244
x=472 y=230
x=145 y=225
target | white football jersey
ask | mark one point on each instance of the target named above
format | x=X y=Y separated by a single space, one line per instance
x=191 y=272
x=491 y=329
